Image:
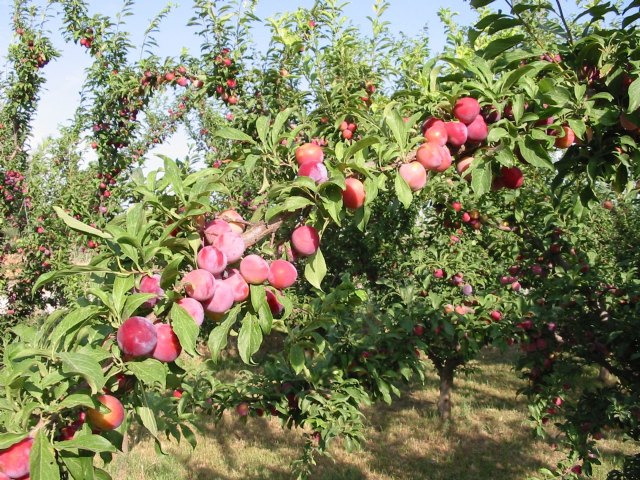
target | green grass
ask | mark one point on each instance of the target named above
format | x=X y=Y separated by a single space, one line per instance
x=490 y=438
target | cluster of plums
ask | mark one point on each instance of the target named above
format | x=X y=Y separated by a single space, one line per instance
x=310 y=158
x=444 y=139
x=222 y=279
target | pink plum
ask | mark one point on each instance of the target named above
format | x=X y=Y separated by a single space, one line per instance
x=282 y=274
x=305 y=240
x=212 y=259
x=199 y=284
x=137 y=337
x=193 y=308
x=254 y=269
x=168 y=347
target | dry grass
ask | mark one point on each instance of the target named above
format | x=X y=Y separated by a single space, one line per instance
x=490 y=439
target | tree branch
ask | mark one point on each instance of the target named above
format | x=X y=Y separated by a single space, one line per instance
x=261 y=230
x=564 y=22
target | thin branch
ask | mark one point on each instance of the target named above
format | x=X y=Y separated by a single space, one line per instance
x=564 y=22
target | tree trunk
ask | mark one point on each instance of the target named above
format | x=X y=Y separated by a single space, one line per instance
x=446 y=390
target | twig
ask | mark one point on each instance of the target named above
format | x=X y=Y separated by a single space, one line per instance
x=564 y=22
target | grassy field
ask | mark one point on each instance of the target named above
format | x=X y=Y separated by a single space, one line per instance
x=490 y=439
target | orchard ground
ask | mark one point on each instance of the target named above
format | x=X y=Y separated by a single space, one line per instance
x=491 y=438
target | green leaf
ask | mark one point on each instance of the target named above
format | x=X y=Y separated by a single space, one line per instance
x=133 y=302
x=534 y=153
x=360 y=145
x=480 y=3
x=76 y=400
x=185 y=329
x=80 y=466
x=78 y=226
x=500 y=45
x=249 y=338
x=233 y=134
x=315 y=269
x=296 y=358
x=397 y=126
x=634 y=95
x=121 y=286
x=150 y=372
x=481 y=178
x=403 y=191
x=262 y=126
x=171 y=272
x=173 y=175
x=42 y=459
x=8 y=439
x=86 y=366
x=71 y=322
x=278 y=123
x=92 y=443
x=218 y=336
x=148 y=417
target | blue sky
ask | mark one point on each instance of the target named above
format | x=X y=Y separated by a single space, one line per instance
x=64 y=75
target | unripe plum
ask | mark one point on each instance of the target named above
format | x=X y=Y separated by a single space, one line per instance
x=137 y=337
x=274 y=305
x=212 y=260
x=193 y=308
x=429 y=155
x=436 y=133
x=254 y=269
x=282 y=274
x=151 y=284
x=309 y=152
x=232 y=244
x=456 y=133
x=466 y=110
x=414 y=174
x=14 y=461
x=221 y=301
x=314 y=170
x=199 y=284
x=477 y=130
x=238 y=285
x=354 y=194
x=305 y=240
x=110 y=420
x=168 y=347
